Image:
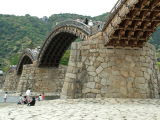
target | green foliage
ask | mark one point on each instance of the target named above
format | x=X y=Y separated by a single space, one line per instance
x=158 y=63
x=155 y=39
x=14 y=59
x=102 y=17
x=18 y=32
x=65 y=58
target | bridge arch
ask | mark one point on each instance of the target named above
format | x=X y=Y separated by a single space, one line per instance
x=59 y=40
x=131 y=22
x=28 y=57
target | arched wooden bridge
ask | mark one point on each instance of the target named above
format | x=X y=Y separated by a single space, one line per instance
x=131 y=22
x=59 y=40
x=28 y=57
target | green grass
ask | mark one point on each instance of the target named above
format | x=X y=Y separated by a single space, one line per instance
x=65 y=58
x=158 y=63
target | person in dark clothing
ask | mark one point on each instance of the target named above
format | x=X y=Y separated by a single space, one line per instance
x=32 y=103
x=25 y=100
x=86 y=21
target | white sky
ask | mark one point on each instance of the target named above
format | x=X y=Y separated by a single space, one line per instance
x=42 y=8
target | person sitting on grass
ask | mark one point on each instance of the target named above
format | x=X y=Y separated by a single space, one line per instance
x=32 y=102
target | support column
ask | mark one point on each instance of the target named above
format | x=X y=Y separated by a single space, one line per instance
x=111 y=72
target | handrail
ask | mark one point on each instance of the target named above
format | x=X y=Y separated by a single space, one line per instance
x=116 y=5
x=113 y=11
x=32 y=53
x=73 y=23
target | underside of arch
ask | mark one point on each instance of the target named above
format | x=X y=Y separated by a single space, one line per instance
x=25 y=60
x=55 y=50
x=59 y=41
x=28 y=57
x=132 y=23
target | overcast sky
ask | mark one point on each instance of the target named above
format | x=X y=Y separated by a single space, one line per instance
x=42 y=8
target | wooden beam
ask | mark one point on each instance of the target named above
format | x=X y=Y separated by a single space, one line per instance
x=139 y=19
x=138 y=29
x=145 y=25
x=126 y=38
x=154 y=4
x=147 y=9
x=130 y=33
x=154 y=15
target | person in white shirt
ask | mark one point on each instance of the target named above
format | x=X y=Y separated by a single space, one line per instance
x=5 y=97
x=40 y=98
x=28 y=94
x=90 y=23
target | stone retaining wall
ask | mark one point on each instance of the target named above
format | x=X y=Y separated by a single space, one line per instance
x=97 y=71
x=11 y=81
x=1 y=81
x=41 y=79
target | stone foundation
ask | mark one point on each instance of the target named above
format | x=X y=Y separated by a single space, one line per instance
x=11 y=81
x=47 y=80
x=1 y=81
x=97 y=71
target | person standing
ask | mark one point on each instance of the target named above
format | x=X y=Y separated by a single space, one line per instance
x=86 y=21
x=90 y=23
x=5 y=97
x=40 y=98
x=28 y=94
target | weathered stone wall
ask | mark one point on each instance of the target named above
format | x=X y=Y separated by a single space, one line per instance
x=1 y=81
x=41 y=79
x=11 y=81
x=98 y=71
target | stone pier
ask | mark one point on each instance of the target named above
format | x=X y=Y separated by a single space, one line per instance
x=11 y=81
x=48 y=80
x=97 y=71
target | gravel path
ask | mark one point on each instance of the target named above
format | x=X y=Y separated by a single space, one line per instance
x=85 y=109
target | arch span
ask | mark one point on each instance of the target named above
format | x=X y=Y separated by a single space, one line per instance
x=131 y=22
x=59 y=41
x=28 y=57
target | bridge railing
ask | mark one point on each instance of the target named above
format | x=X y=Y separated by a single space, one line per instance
x=97 y=27
x=74 y=23
x=119 y=2
x=113 y=12
x=33 y=53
